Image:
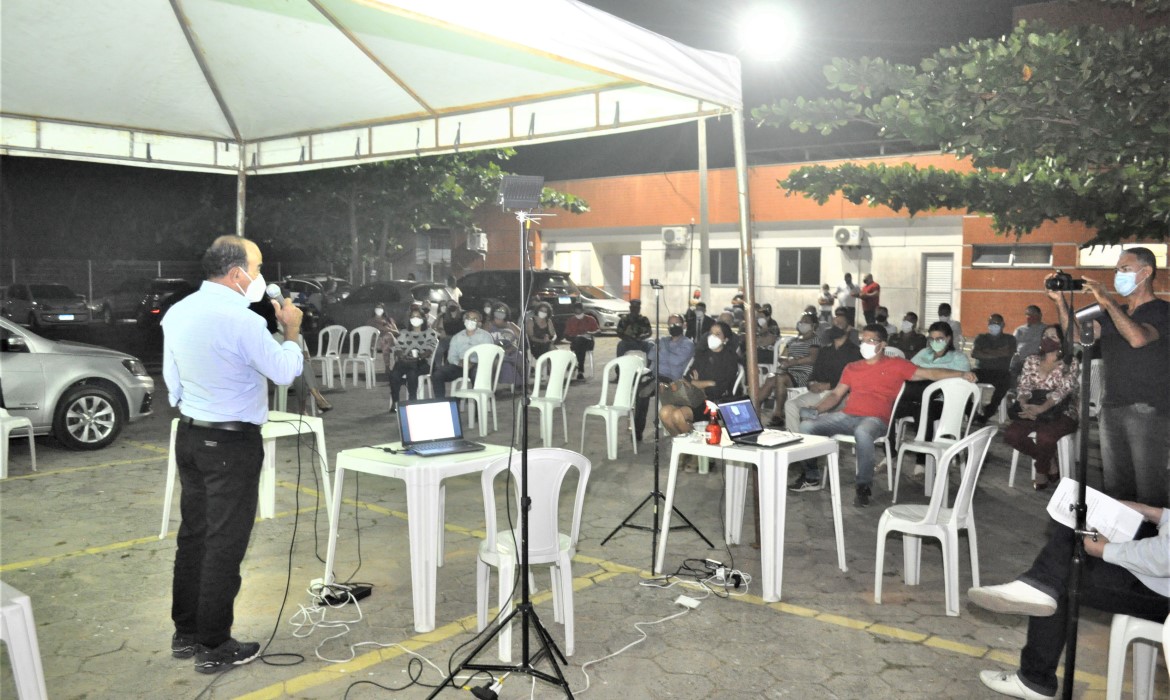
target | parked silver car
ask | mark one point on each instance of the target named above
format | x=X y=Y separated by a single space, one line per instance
x=81 y=394
x=44 y=305
x=603 y=306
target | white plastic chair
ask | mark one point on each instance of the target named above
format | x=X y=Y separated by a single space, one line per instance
x=883 y=441
x=560 y=366
x=482 y=391
x=952 y=425
x=630 y=369
x=547 y=545
x=362 y=352
x=9 y=423
x=18 y=631
x=937 y=520
x=1145 y=636
x=1064 y=459
x=329 y=341
x=739 y=378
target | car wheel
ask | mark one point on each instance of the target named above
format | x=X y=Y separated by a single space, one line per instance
x=88 y=417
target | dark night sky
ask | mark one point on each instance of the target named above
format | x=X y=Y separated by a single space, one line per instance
x=49 y=202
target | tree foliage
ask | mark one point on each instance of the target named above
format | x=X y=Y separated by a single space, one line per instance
x=1071 y=123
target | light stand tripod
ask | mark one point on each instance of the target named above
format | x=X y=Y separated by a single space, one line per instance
x=522 y=194
x=656 y=494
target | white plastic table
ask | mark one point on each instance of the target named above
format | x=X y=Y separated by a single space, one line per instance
x=18 y=631
x=280 y=424
x=424 y=510
x=772 y=465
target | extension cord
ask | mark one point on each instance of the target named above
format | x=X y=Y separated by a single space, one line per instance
x=346 y=594
x=686 y=601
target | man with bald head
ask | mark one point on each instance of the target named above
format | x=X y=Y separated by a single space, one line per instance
x=217 y=359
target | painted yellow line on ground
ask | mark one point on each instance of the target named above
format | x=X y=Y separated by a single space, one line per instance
x=149 y=446
x=87 y=468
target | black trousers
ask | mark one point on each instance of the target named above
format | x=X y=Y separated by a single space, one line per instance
x=447 y=373
x=220 y=474
x=405 y=372
x=581 y=345
x=1104 y=586
x=1001 y=379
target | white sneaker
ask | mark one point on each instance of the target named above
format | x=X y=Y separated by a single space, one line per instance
x=1016 y=598
x=1010 y=684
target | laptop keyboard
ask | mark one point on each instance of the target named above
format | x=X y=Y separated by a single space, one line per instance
x=446 y=446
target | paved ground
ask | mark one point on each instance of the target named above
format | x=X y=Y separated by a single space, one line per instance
x=80 y=536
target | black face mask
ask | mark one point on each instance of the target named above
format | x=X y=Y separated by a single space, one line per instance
x=881 y=319
x=676 y=331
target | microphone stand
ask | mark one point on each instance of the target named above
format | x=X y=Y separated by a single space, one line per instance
x=656 y=493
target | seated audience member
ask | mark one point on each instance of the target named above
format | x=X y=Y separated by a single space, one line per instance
x=542 y=335
x=1047 y=400
x=941 y=352
x=883 y=317
x=831 y=361
x=507 y=335
x=767 y=334
x=1126 y=578
x=871 y=385
x=412 y=356
x=735 y=342
x=579 y=330
x=792 y=370
x=944 y=315
x=675 y=352
x=387 y=329
x=993 y=351
x=714 y=371
x=460 y=343
x=633 y=330
x=908 y=339
x=451 y=322
x=698 y=322
x=840 y=320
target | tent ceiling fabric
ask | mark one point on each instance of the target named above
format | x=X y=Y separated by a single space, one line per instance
x=301 y=84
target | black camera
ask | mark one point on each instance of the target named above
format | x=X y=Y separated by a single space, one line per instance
x=1063 y=282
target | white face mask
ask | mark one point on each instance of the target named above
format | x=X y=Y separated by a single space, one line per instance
x=762 y=321
x=487 y=309
x=714 y=342
x=907 y=326
x=803 y=328
x=500 y=315
x=868 y=351
x=471 y=325
x=379 y=312
x=579 y=316
x=542 y=314
x=255 y=290
x=416 y=321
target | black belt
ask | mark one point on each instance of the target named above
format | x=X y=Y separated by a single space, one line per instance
x=235 y=426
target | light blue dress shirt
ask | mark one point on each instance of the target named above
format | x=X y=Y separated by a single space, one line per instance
x=218 y=356
x=675 y=354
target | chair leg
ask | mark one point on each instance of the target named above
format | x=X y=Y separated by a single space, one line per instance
x=565 y=422
x=507 y=574
x=889 y=460
x=611 y=436
x=483 y=576
x=633 y=438
x=911 y=559
x=879 y=565
x=1012 y=471
x=583 y=419
x=897 y=473
x=566 y=593
x=973 y=545
x=950 y=552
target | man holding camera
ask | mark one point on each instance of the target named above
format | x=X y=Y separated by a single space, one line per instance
x=1135 y=348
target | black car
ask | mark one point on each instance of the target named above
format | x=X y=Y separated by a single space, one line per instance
x=552 y=286
x=160 y=296
x=395 y=295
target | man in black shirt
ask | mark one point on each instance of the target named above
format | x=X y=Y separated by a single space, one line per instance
x=1135 y=410
x=633 y=330
x=908 y=339
x=698 y=322
x=994 y=350
x=831 y=361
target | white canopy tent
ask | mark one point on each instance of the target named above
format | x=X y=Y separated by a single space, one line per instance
x=249 y=87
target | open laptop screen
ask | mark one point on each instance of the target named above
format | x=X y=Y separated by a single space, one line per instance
x=425 y=421
x=740 y=418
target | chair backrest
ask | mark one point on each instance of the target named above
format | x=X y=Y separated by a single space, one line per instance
x=488 y=358
x=561 y=366
x=629 y=369
x=892 y=351
x=361 y=341
x=974 y=447
x=547 y=467
x=955 y=421
x=329 y=341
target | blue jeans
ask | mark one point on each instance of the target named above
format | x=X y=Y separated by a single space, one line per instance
x=1135 y=446
x=863 y=429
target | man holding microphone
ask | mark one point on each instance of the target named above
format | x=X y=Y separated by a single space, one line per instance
x=217 y=359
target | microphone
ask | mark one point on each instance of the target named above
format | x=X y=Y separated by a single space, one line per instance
x=273 y=291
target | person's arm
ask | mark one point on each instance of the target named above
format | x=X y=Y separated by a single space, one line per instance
x=834 y=397
x=1149 y=556
x=1138 y=335
x=456 y=349
x=171 y=376
x=933 y=375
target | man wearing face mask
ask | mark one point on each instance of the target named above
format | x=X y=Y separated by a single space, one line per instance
x=908 y=339
x=471 y=336
x=944 y=314
x=451 y=322
x=579 y=330
x=840 y=320
x=698 y=322
x=1135 y=410
x=993 y=351
x=883 y=318
x=633 y=331
x=219 y=382
x=675 y=351
x=872 y=386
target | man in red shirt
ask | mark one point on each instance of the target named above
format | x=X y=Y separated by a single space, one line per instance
x=872 y=384
x=870 y=296
x=579 y=330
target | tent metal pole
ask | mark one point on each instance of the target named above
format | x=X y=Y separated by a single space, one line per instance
x=704 y=221
x=241 y=192
x=745 y=251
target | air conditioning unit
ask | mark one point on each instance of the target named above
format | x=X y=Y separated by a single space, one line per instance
x=676 y=236
x=477 y=241
x=847 y=236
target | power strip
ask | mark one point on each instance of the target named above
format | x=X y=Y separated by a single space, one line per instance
x=685 y=601
x=343 y=596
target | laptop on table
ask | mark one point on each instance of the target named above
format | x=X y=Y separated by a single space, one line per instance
x=744 y=428
x=432 y=427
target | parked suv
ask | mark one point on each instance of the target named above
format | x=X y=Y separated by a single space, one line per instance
x=122 y=301
x=83 y=394
x=395 y=295
x=40 y=305
x=552 y=286
x=161 y=295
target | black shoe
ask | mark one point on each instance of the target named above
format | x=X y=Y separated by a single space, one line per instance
x=861 y=500
x=230 y=653
x=183 y=645
x=805 y=484
x=776 y=423
x=981 y=420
